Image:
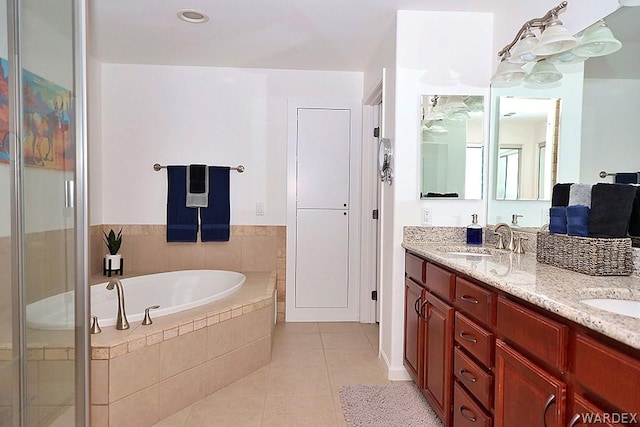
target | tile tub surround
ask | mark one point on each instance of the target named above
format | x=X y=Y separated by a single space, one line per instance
x=145 y=250
x=554 y=289
x=144 y=374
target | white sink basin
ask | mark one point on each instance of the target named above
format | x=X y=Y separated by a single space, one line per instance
x=618 y=306
x=468 y=251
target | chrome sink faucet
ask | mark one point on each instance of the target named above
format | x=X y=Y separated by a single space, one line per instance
x=500 y=245
x=121 y=320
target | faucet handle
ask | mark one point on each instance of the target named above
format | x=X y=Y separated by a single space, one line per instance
x=500 y=242
x=147 y=318
x=95 y=328
x=519 y=249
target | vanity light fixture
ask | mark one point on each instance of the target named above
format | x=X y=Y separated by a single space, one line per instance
x=192 y=16
x=597 y=40
x=554 y=46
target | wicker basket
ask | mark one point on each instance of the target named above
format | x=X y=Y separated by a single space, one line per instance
x=588 y=255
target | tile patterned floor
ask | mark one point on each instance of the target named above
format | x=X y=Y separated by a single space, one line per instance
x=309 y=363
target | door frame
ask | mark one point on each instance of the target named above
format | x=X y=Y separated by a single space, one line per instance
x=294 y=314
x=370 y=267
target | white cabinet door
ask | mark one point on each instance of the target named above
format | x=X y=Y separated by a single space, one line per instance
x=323 y=141
x=322 y=264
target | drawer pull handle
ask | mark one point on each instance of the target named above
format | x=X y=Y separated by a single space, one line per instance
x=466 y=375
x=464 y=336
x=425 y=305
x=471 y=417
x=470 y=300
x=574 y=420
x=547 y=404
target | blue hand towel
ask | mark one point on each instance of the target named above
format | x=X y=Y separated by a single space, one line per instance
x=182 y=222
x=216 y=217
x=558 y=220
x=611 y=206
x=627 y=178
x=578 y=220
x=560 y=194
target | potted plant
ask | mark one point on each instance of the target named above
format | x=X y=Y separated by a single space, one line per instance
x=113 y=242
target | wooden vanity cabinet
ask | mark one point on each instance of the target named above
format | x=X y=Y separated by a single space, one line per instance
x=482 y=357
x=525 y=394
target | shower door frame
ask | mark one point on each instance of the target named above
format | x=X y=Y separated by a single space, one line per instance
x=78 y=202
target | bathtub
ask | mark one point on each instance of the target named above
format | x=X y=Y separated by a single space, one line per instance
x=173 y=291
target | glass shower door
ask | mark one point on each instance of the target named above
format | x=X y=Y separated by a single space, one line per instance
x=46 y=168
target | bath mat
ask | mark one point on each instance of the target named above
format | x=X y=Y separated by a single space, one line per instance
x=401 y=405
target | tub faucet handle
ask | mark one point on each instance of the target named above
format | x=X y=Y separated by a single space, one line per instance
x=147 y=319
x=95 y=328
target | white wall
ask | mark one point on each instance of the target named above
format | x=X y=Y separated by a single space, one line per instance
x=610 y=134
x=218 y=116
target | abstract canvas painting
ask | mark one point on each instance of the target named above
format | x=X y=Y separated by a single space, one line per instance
x=46 y=114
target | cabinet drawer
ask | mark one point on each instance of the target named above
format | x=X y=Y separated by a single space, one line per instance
x=466 y=412
x=415 y=267
x=475 y=301
x=532 y=332
x=440 y=281
x=608 y=373
x=474 y=378
x=474 y=339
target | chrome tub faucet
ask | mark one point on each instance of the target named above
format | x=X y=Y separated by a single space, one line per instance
x=121 y=320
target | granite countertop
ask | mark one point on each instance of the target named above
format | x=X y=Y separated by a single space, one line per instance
x=554 y=289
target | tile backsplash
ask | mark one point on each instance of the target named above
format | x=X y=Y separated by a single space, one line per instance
x=145 y=250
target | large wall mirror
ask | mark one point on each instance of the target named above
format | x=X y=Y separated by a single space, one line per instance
x=597 y=125
x=527 y=147
x=451 y=149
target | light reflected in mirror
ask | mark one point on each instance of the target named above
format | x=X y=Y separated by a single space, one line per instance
x=451 y=149
x=527 y=148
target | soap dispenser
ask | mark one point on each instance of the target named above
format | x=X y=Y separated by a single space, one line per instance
x=474 y=231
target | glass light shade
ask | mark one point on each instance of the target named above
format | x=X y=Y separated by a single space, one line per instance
x=523 y=50
x=566 y=58
x=543 y=72
x=508 y=72
x=436 y=126
x=597 y=41
x=554 y=39
x=435 y=113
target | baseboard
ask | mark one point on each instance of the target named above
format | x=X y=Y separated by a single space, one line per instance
x=394 y=373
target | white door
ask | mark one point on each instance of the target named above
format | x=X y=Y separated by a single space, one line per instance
x=323 y=287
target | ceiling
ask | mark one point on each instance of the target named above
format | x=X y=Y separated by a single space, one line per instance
x=333 y=35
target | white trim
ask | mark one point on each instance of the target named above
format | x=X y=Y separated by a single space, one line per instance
x=294 y=314
x=394 y=374
x=370 y=183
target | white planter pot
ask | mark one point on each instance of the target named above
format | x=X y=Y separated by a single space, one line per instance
x=115 y=261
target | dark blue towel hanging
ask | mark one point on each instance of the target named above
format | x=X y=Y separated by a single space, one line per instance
x=182 y=222
x=215 y=218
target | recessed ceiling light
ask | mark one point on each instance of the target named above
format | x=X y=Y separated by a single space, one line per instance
x=192 y=16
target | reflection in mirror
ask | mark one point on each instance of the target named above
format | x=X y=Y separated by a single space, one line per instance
x=451 y=152
x=527 y=148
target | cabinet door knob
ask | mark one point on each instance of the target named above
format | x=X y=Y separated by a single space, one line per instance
x=471 y=417
x=547 y=404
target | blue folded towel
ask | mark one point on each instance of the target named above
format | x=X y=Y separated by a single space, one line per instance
x=627 y=178
x=216 y=217
x=558 y=220
x=578 y=220
x=611 y=207
x=182 y=222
